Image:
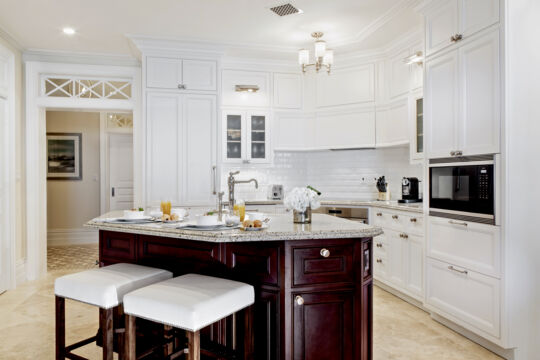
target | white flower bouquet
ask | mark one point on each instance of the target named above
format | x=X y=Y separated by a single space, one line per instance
x=300 y=199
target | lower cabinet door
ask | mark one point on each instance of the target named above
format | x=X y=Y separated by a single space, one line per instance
x=323 y=326
x=415 y=265
x=397 y=256
x=267 y=324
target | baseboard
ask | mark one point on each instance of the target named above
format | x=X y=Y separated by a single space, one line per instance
x=400 y=295
x=56 y=237
x=20 y=272
x=504 y=353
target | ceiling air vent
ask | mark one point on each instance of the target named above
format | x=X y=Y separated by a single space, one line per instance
x=285 y=9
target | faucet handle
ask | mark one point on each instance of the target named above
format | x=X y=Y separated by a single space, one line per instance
x=232 y=173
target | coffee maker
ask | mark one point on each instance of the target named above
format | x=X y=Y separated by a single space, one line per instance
x=410 y=192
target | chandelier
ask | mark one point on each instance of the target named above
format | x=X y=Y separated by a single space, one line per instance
x=323 y=57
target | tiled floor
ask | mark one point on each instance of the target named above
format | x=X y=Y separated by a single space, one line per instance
x=402 y=331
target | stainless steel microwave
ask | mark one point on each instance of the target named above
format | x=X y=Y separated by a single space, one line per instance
x=463 y=190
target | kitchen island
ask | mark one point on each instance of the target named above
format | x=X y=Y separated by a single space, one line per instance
x=313 y=282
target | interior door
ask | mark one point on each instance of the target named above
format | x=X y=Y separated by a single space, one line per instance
x=120 y=171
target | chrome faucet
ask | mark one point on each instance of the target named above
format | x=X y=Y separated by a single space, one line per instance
x=231 y=182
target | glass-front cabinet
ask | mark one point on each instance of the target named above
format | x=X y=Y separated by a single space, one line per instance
x=245 y=137
x=417 y=126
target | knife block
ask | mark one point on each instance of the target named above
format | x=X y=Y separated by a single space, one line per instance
x=384 y=196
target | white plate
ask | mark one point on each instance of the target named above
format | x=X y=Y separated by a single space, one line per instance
x=218 y=225
x=255 y=228
x=143 y=218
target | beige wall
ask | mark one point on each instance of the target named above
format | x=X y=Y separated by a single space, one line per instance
x=71 y=203
x=19 y=145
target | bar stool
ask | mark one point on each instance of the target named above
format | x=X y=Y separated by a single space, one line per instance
x=189 y=302
x=105 y=288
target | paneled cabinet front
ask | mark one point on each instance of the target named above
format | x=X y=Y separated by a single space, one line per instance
x=180 y=138
x=176 y=73
x=245 y=136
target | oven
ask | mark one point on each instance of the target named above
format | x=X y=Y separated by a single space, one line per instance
x=463 y=190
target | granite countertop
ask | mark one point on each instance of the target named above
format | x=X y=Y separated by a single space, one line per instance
x=393 y=205
x=281 y=227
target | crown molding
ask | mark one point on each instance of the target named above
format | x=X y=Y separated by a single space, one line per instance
x=11 y=40
x=57 y=56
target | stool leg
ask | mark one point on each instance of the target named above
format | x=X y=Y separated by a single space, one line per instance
x=194 y=345
x=60 y=320
x=130 y=350
x=106 y=324
x=249 y=333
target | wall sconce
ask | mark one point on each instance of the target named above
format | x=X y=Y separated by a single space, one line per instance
x=246 y=88
x=416 y=58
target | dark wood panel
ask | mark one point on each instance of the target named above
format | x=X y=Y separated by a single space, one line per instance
x=267 y=325
x=323 y=326
x=310 y=267
x=255 y=263
x=118 y=246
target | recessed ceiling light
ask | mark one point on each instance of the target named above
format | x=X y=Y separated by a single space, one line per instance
x=68 y=31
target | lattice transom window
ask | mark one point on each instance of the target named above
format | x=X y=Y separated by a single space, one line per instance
x=86 y=88
x=119 y=120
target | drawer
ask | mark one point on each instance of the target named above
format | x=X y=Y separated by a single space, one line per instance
x=414 y=224
x=466 y=297
x=327 y=263
x=467 y=244
x=117 y=246
x=380 y=245
x=259 y=262
x=380 y=270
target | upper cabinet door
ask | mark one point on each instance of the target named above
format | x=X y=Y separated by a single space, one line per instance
x=480 y=107
x=199 y=75
x=288 y=91
x=441 y=24
x=441 y=105
x=399 y=75
x=198 y=153
x=234 y=135
x=258 y=137
x=354 y=129
x=346 y=87
x=163 y=73
x=164 y=145
x=476 y=15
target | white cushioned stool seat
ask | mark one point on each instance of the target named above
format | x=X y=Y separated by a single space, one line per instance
x=189 y=302
x=105 y=287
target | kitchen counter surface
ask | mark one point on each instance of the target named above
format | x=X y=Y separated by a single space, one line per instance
x=393 y=205
x=281 y=227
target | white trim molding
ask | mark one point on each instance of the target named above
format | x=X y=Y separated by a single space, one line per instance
x=57 y=237
x=20 y=270
x=36 y=105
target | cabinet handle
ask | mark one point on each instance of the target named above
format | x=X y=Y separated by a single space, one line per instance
x=379 y=245
x=367 y=261
x=181 y=86
x=325 y=253
x=459 y=153
x=456 y=38
x=214 y=177
x=379 y=214
x=395 y=217
x=246 y=161
x=112 y=191
x=404 y=236
x=452 y=153
x=465 y=272
x=299 y=300
x=453 y=222
x=413 y=220
x=379 y=261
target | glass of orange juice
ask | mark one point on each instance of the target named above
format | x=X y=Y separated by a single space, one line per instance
x=166 y=207
x=239 y=209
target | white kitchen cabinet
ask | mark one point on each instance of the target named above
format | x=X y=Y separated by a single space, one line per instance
x=288 y=90
x=400 y=75
x=246 y=136
x=416 y=126
x=346 y=87
x=345 y=130
x=176 y=73
x=441 y=105
x=293 y=131
x=231 y=97
x=465 y=297
x=180 y=152
x=414 y=264
x=468 y=244
x=397 y=257
x=480 y=109
x=392 y=125
x=449 y=22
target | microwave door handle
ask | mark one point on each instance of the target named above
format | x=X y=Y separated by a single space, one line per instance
x=458 y=181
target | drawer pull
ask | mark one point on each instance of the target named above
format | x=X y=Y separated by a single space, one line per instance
x=395 y=217
x=413 y=220
x=379 y=214
x=325 y=253
x=404 y=236
x=465 y=272
x=457 y=223
x=181 y=86
x=379 y=245
x=379 y=261
x=299 y=300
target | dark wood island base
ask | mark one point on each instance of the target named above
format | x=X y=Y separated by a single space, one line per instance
x=314 y=298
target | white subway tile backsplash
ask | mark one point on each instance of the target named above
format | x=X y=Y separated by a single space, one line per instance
x=347 y=174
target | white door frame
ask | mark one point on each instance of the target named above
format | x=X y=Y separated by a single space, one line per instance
x=36 y=181
x=104 y=136
x=8 y=236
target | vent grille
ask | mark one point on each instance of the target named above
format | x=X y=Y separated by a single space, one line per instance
x=286 y=9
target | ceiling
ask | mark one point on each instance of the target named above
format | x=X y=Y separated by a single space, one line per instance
x=102 y=25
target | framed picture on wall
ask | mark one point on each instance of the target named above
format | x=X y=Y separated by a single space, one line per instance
x=64 y=156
